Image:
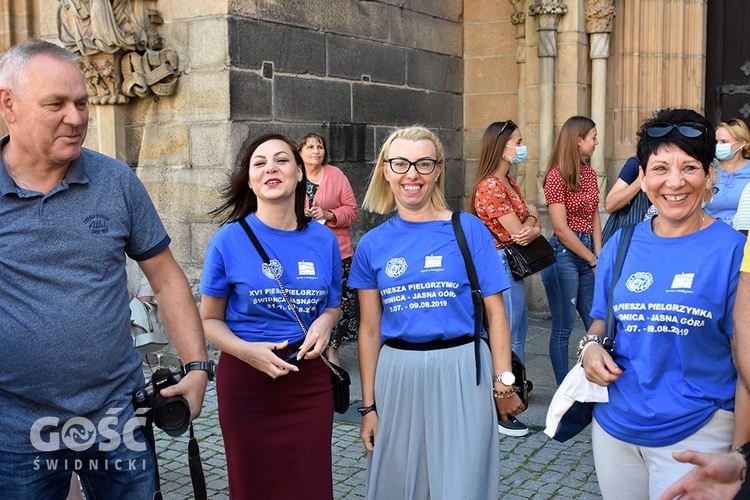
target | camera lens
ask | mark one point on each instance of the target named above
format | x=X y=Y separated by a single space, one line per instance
x=172 y=415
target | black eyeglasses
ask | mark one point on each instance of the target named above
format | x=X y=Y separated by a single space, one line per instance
x=424 y=166
x=686 y=129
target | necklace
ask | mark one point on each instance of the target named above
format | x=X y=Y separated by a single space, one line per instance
x=13 y=172
x=703 y=221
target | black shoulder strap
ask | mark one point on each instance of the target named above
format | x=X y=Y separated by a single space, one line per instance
x=622 y=251
x=476 y=292
x=254 y=239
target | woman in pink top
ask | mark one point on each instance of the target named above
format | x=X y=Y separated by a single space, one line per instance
x=572 y=196
x=331 y=201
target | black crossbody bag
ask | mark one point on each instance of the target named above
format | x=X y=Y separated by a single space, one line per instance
x=523 y=386
x=340 y=378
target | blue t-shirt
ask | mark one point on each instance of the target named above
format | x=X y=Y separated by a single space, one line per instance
x=630 y=170
x=673 y=313
x=66 y=348
x=307 y=262
x=420 y=273
x=724 y=203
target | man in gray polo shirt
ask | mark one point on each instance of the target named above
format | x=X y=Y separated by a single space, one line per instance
x=69 y=370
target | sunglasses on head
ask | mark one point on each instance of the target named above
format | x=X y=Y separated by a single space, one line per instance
x=505 y=125
x=686 y=129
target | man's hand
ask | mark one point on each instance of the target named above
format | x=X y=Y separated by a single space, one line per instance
x=193 y=387
x=716 y=476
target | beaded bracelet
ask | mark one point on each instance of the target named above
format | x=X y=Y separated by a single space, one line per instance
x=505 y=394
x=585 y=340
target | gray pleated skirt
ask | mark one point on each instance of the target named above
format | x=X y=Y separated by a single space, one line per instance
x=437 y=435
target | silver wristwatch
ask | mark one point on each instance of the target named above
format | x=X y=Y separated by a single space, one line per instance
x=506 y=378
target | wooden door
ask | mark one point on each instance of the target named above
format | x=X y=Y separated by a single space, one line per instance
x=728 y=60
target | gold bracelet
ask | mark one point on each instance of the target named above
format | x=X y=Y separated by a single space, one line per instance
x=505 y=394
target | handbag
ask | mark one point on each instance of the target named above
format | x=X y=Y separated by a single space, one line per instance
x=632 y=213
x=523 y=386
x=527 y=260
x=570 y=410
x=146 y=328
x=340 y=378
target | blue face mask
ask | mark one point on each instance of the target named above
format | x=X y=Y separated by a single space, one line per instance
x=724 y=151
x=520 y=157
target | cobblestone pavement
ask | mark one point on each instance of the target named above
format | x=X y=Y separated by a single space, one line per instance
x=532 y=467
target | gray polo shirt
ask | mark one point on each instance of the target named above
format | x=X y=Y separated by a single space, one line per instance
x=67 y=357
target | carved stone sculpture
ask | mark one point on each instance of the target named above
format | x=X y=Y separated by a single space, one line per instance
x=599 y=16
x=116 y=39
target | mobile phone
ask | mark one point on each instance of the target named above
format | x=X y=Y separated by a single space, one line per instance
x=292 y=358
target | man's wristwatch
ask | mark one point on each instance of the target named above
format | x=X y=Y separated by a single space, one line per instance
x=207 y=366
x=506 y=378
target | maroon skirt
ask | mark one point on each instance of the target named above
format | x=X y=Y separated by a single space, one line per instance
x=277 y=434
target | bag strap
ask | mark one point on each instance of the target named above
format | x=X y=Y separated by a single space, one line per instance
x=622 y=250
x=263 y=255
x=476 y=293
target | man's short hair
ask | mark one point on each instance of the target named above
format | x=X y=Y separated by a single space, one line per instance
x=15 y=60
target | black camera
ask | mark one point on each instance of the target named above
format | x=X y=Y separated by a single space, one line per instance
x=172 y=415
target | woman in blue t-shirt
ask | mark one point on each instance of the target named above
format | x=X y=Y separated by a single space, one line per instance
x=732 y=151
x=670 y=377
x=430 y=425
x=276 y=415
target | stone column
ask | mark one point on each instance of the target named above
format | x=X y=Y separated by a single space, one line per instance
x=599 y=16
x=547 y=13
x=526 y=174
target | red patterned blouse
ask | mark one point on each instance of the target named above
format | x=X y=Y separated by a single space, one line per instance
x=494 y=199
x=579 y=205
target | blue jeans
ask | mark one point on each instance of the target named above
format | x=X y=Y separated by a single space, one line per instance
x=569 y=284
x=123 y=473
x=515 y=307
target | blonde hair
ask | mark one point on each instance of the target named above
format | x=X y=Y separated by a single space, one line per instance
x=379 y=197
x=738 y=130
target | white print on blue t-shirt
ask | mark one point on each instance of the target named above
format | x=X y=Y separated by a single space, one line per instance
x=307 y=262
x=305 y=268
x=666 y=321
x=683 y=280
x=419 y=271
x=433 y=261
x=673 y=307
x=639 y=282
x=416 y=293
x=273 y=269
x=396 y=267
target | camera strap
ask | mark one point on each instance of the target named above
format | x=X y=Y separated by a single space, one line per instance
x=194 y=463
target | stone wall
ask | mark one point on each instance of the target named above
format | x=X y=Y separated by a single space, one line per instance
x=351 y=70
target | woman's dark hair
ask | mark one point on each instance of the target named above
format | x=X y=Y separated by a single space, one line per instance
x=312 y=135
x=493 y=146
x=702 y=147
x=240 y=200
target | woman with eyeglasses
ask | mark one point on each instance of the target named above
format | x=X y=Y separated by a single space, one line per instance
x=671 y=381
x=499 y=203
x=732 y=152
x=572 y=194
x=428 y=416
